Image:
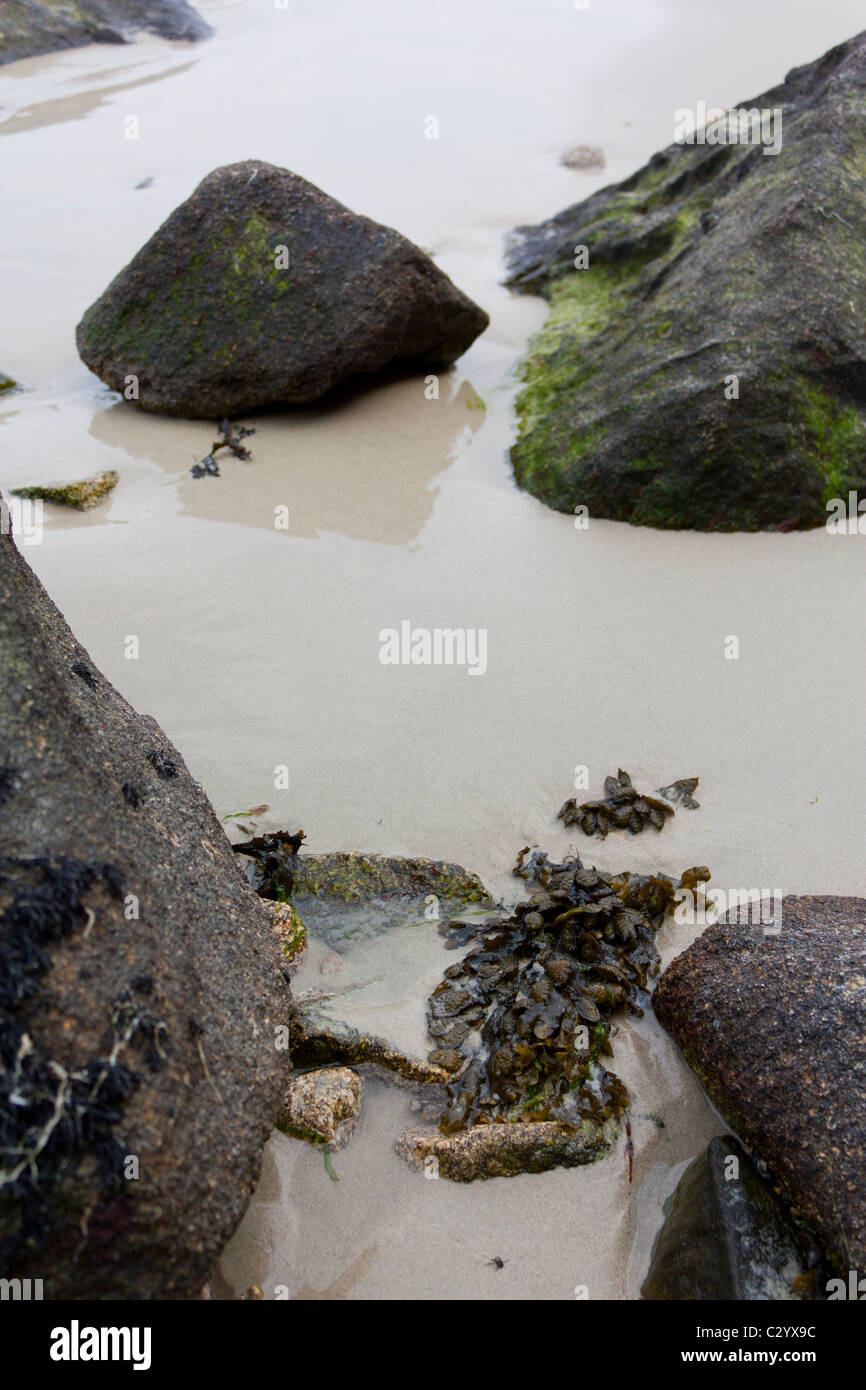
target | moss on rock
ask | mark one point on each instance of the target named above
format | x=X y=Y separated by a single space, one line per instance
x=83 y=495
x=707 y=369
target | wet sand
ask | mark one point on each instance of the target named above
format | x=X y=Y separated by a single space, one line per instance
x=260 y=647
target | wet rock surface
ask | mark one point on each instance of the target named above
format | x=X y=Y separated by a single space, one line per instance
x=260 y=289
x=716 y=267
x=28 y=28
x=320 y=1037
x=141 y=984
x=726 y=1236
x=775 y=1028
x=351 y=897
x=323 y=1107
x=503 y=1151
x=289 y=931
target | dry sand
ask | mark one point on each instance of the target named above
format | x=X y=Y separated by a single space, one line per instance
x=259 y=648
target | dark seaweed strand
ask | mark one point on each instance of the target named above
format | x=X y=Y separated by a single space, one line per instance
x=51 y=1117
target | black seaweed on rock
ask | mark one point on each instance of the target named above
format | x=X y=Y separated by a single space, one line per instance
x=526 y=1014
x=52 y=1117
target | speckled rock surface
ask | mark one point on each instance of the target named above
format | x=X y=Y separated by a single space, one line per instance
x=141 y=985
x=259 y=290
x=775 y=1029
x=322 y=1106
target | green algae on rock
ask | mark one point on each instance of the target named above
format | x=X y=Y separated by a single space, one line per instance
x=262 y=290
x=622 y=808
x=83 y=495
x=290 y=931
x=30 y=27
x=348 y=896
x=528 y=1007
x=706 y=370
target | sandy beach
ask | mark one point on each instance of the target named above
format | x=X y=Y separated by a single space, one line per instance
x=259 y=647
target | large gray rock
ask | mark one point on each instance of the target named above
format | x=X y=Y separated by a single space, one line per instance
x=775 y=1028
x=139 y=1076
x=715 y=261
x=28 y=28
x=262 y=290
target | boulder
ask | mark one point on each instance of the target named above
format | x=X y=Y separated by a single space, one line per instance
x=708 y=369
x=28 y=28
x=141 y=985
x=726 y=1236
x=262 y=290
x=774 y=1025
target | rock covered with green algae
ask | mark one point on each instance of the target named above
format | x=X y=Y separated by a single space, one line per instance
x=261 y=290
x=83 y=495
x=29 y=27
x=347 y=896
x=290 y=932
x=713 y=262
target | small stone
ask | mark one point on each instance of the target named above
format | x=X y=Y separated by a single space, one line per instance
x=322 y=1106
x=504 y=1150
x=83 y=495
x=290 y=930
x=584 y=158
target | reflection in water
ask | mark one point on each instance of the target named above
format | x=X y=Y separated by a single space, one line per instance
x=368 y=476
x=77 y=107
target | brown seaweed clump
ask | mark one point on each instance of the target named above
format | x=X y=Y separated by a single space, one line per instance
x=681 y=792
x=271 y=863
x=622 y=807
x=524 y=1018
